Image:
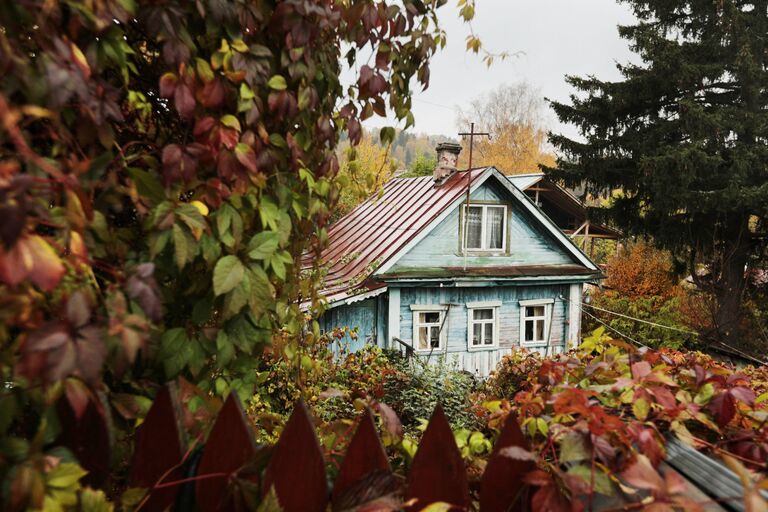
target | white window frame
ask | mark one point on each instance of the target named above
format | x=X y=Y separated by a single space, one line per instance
x=493 y=305
x=548 y=305
x=484 y=229
x=442 y=322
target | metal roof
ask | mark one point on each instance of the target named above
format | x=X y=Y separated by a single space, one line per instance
x=374 y=231
x=523 y=181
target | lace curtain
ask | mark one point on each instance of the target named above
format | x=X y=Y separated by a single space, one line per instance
x=495 y=232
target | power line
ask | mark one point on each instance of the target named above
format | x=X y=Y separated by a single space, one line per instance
x=641 y=320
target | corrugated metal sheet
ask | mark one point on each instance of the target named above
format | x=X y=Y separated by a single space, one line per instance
x=374 y=231
x=523 y=181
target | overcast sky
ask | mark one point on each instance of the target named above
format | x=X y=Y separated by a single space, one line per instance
x=556 y=38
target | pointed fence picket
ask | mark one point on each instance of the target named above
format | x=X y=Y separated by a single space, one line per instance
x=294 y=469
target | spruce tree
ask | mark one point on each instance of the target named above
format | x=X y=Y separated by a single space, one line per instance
x=681 y=139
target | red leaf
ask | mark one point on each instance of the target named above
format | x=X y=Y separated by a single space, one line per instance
x=642 y=475
x=203 y=125
x=641 y=369
x=392 y=423
x=77 y=395
x=246 y=156
x=168 y=85
x=723 y=407
x=743 y=394
x=15 y=264
x=212 y=94
x=78 y=310
x=550 y=499
x=184 y=100
x=47 y=269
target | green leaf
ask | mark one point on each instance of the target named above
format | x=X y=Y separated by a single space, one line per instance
x=705 y=394
x=231 y=121
x=64 y=475
x=181 y=245
x=227 y=274
x=263 y=245
x=387 y=135
x=278 y=83
x=641 y=408
x=573 y=448
x=191 y=216
x=225 y=349
x=268 y=214
x=147 y=185
x=602 y=483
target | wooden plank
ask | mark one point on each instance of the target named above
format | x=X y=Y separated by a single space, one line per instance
x=88 y=437
x=364 y=461
x=230 y=446
x=502 y=488
x=159 y=451
x=296 y=468
x=438 y=472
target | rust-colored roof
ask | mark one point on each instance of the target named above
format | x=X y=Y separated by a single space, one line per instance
x=508 y=271
x=377 y=229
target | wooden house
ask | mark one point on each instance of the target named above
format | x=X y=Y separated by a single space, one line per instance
x=460 y=264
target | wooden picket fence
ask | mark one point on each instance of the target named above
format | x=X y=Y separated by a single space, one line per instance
x=213 y=478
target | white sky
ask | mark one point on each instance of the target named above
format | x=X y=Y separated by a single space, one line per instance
x=557 y=37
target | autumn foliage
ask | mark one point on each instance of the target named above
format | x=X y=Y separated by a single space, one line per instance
x=640 y=270
x=163 y=166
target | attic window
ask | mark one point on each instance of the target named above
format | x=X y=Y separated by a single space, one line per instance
x=486 y=226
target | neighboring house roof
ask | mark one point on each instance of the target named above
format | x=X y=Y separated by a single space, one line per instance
x=555 y=197
x=370 y=239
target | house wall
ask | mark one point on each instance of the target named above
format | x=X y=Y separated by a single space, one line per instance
x=365 y=316
x=527 y=242
x=373 y=316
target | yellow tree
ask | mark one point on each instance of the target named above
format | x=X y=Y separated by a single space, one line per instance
x=363 y=172
x=513 y=114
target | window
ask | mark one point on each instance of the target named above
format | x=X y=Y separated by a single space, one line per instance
x=486 y=227
x=483 y=328
x=428 y=328
x=535 y=321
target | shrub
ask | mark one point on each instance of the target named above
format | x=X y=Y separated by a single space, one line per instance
x=416 y=386
x=641 y=270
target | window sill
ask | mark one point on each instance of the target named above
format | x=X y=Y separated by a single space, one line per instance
x=534 y=345
x=485 y=348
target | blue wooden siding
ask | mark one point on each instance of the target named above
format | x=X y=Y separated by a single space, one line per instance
x=509 y=311
x=365 y=316
x=527 y=242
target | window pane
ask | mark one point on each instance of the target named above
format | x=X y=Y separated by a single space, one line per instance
x=474 y=227
x=435 y=337
x=539 y=330
x=534 y=311
x=495 y=229
x=429 y=318
x=476 y=330
x=483 y=314
x=529 y=330
x=488 y=334
x=423 y=345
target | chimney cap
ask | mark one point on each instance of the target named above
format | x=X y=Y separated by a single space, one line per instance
x=451 y=147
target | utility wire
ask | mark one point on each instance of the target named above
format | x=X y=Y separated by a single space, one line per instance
x=641 y=320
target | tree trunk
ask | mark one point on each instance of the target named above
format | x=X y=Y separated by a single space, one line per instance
x=731 y=282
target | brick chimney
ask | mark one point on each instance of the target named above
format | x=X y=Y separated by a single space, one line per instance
x=447 y=158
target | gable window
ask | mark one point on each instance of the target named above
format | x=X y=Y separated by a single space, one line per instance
x=483 y=328
x=486 y=227
x=535 y=321
x=429 y=330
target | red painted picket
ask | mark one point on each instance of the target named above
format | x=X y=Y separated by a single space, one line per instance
x=296 y=468
x=159 y=451
x=231 y=464
x=438 y=473
x=229 y=447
